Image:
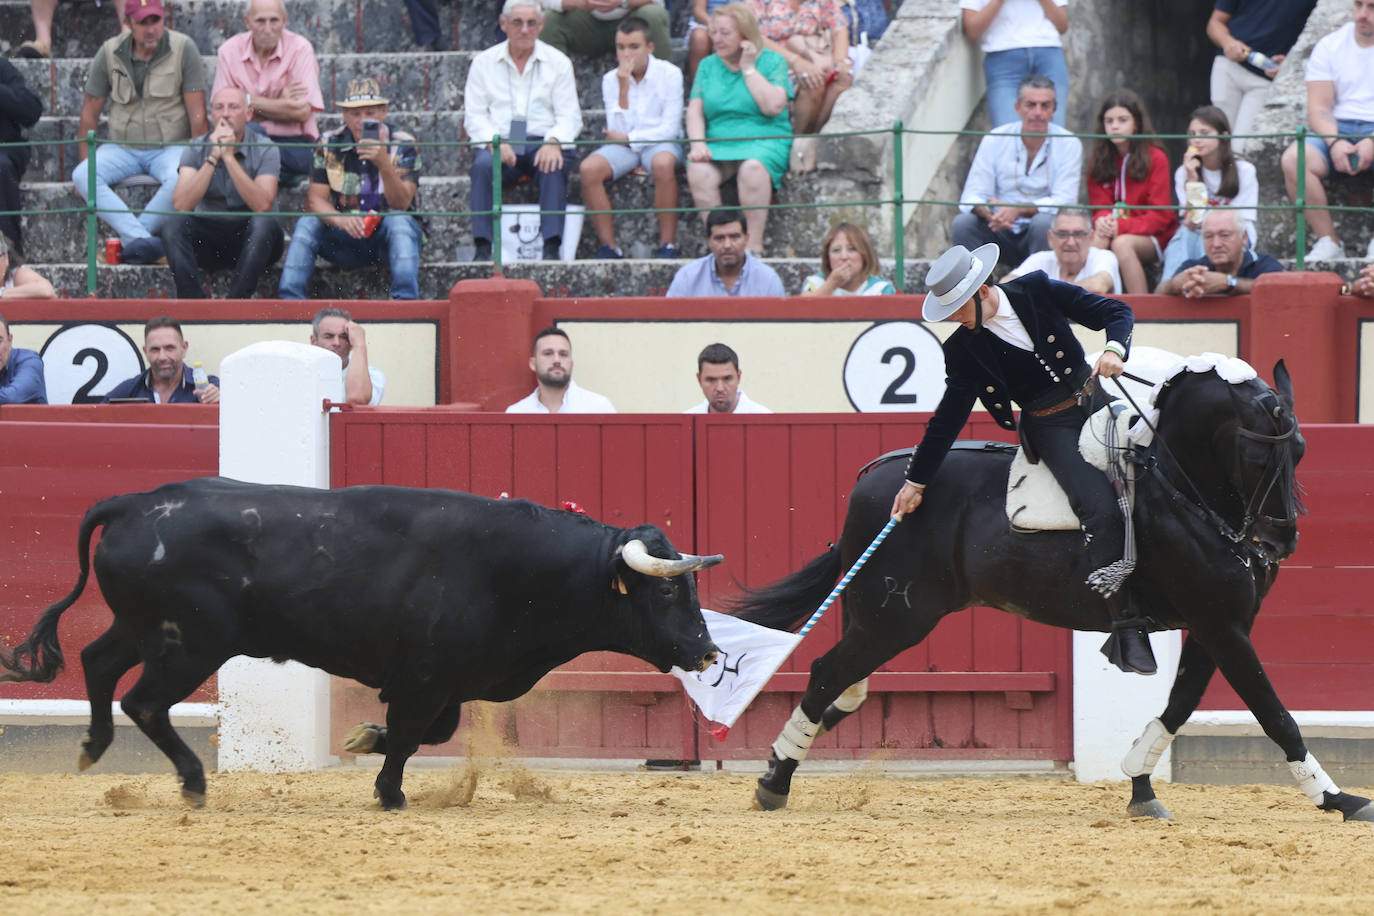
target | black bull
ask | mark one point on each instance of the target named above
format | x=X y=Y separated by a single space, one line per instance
x=1216 y=510
x=432 y=596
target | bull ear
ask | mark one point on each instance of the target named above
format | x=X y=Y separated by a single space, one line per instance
x=1283 y=384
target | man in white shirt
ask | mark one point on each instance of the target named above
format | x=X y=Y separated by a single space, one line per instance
x=643 y=101
x=1340 y=114
x=525 y=92
x=552 y=364
x=1072 y=258
x=336 y=331
x=1017 y=180
x=719 y=376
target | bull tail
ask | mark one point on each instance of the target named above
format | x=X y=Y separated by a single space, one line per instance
x=39 y=658
x=784 y=604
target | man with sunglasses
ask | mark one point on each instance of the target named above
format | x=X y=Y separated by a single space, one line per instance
x=1072 y=258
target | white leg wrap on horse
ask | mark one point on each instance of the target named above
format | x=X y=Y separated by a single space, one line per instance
x=1312 y=779
x=1140 y=760
x=796 y=737
x=852 y=698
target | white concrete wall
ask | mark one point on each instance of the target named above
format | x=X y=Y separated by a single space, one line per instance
x=1111 y=707
x=273 y=429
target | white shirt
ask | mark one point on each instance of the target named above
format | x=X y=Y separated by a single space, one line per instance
x=655 y=112
x=1000 y=170
x=1019 y=24
x=378 y=383
x=545 y=95
x=742 y=405
x=1350 y=68
x=575 y=400
x=1007 y=325
x=1099 y=259
x=1247 y=192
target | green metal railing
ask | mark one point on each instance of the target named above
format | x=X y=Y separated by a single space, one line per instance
x=898 y=199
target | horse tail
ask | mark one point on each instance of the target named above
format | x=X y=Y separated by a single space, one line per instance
x=784 y=604
x=39 y=658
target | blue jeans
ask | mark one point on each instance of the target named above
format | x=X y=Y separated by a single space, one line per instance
x=1003 y=70
x=553 y=189
x=396 y=241
x=116 y=163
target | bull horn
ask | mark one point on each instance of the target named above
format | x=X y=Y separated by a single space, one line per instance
x=638 y=558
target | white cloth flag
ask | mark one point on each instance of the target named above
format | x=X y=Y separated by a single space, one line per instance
x=749 y=655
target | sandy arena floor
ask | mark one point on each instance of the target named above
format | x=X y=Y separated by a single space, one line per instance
x=496 y=837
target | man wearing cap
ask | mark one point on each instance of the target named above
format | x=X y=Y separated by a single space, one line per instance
x=1016 y=345
x=154 y=80
x=367 y=166
x=277 y=68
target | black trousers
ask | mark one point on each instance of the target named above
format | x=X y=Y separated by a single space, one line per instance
x=1055 y=440
x=248 y=244
x=11 y=170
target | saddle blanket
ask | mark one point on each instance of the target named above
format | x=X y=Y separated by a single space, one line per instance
x=1035 y=501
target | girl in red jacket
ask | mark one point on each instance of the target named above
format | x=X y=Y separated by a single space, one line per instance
x=1127 y=171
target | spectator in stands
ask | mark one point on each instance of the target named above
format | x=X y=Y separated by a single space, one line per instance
x=167 y=380
x=1340 y=113
x=1019 y=38
x=19 y=108
x=1126 y=171
x=21 y=372
x=699 y=35
x=1364 y=283
x=525 y=92
x=1238 y=27
x=1229 y=267
x=155 y=82
x=1072 y=257
x=642 y=97
x=366 y=169
x=335 y=330
x=551 y=362
x=849 y=266
x=40 y=46
x=1018 y=179
x=424 y=25
x=1216 y=176
x=220 y=172
x=18 y=281
x=278 y=70
x=587 y=27
x=813 y=36
x=731 y=269
x=740 y=91
x=719 y=375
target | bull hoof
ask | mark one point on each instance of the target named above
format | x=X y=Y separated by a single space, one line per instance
x=1151 y=808
x=193 y=798
x=768 y=800
x=361 y=739
x=398 y=803
x=1365 y=814
x=84 y=761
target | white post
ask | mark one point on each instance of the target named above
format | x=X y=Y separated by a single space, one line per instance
x=1111 y=707
x=275 y=717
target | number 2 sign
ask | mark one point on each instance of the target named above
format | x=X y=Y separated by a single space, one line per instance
x=895 y=366
x=82 y=362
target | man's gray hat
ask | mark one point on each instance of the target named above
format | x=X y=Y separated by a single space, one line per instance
x=955 y=277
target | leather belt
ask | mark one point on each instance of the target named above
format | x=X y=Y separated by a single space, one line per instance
x=1072 y=400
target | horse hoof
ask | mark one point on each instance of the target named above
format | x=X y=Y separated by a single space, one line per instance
x=84 y=762
x=1151 y=808
x=768 y=800
x=1365 y=814
x=361 y=739
x=193 y=798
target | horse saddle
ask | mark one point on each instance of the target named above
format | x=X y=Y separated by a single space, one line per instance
x=1035 y=501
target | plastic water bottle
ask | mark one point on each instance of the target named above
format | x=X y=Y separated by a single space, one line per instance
x=1261 y=61
x=199 y=377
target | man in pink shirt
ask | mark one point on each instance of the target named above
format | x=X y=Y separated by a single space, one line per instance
x=278 y=70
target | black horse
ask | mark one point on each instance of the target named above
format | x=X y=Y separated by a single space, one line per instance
x=1216 y=510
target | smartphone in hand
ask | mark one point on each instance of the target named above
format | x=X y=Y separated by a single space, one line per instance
x=371 y=129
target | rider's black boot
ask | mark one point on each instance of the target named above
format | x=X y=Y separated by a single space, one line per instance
x=1129 y=645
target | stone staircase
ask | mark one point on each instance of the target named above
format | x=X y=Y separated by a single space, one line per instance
x=362 y=38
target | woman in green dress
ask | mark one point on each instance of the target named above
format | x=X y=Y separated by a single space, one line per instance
x=740 y=94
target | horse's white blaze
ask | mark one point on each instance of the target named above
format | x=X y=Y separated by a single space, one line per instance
x=1140 y=760
x=796 y=737
x=1312 y=779
x=853 y=697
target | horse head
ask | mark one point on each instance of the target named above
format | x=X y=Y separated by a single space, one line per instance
x=1238 y=445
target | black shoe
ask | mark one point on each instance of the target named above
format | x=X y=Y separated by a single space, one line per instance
x=1129 y=649
x=143 y=251
x=481 y=251
x=551 y=248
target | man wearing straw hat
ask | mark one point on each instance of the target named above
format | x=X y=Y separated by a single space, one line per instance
x=1016 y=345
x=364 y=179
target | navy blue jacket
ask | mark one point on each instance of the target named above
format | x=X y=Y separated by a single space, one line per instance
x=139 y=387
x=973 y=370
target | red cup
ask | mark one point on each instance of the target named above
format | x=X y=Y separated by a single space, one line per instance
x=112 y=249
x=371 y=222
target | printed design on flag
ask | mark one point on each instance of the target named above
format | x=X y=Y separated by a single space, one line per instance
x=749 y=656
